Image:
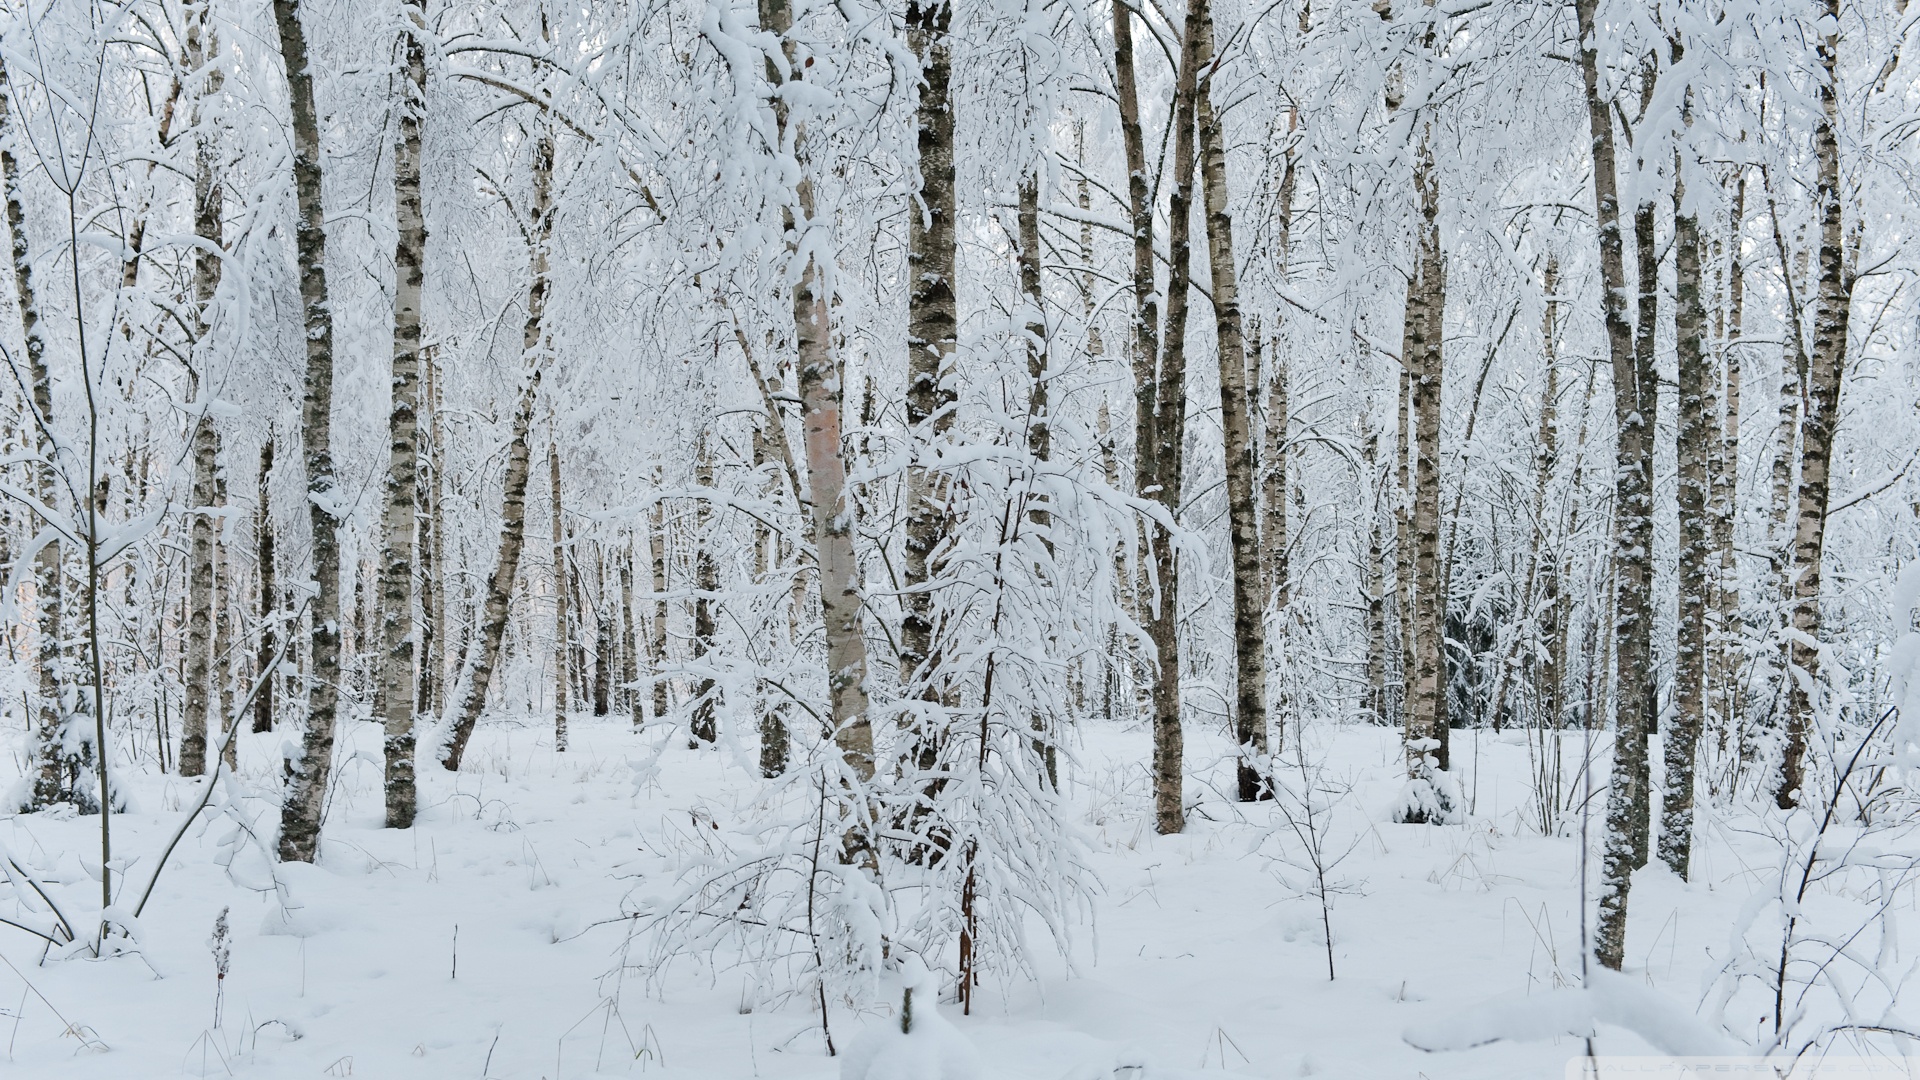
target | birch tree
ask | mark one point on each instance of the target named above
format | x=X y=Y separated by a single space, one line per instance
x=1698 y=408
x=1825 y=373
x=536 y=352
x=932 y=322
x=1632 y=513
x=300 y=816
x=1250 y=589
x=399 y=524
x=1422 y=351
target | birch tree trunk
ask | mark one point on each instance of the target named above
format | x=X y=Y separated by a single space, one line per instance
x=1824 y=378
x=1638 y=681
x=818 y=376
x=1794 y=370
x=513 y=534
x=1274 y=453
x=562 y=654
x=603 y=647
x=1163 y=470
x=269 y=591
x=224 y=652
x=1141 y=597
x=1786 y=437
x=1243 y=522
x=196 y=693
x=657 y=552
x=1403 y=536
x=1376 y=580
x=1546 y=555
x=1146 y=298
x=1632 y=513
x=629 y=644
x=774 y=737
x=398 y=525
x=704 y=725
x=1421 y=354
x=362 y=649
x=1699 y=405
x=1564 y=608
x=1039 y=421
x=536 y=351
x=1273 y=475
x=433 y=592
x=1726 y=469
x=821 y=402
x=581 y=691
x=307 y=782
x=932 y=322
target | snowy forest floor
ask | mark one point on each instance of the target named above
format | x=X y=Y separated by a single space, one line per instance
x=467 y=947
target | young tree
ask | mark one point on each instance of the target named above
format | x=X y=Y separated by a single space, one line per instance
x=536 y=350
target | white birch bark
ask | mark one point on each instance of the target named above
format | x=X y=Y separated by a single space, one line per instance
x=629 y=643
x=821 y=403
x=266 y=578
x=1699 y=406
x=562 y=654
x=1825 y=373
x=703 y=726
x=1632 y=510
x=1421 y=353
x=657 y=552
x=307 y=781
x=399 y=523
x=1726 y=468
x=932 y=323
x=1243 y=523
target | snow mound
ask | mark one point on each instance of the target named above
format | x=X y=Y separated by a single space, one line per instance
x=933 y=1049
x=1608 y=998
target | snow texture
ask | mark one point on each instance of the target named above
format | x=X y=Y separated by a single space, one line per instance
x=933 y=1050
x=1608 y=998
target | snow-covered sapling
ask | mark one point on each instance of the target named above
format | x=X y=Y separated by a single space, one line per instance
x=220 y=944
x=1304 y=803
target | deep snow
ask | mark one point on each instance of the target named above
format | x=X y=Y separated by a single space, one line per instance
x=473 y=945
